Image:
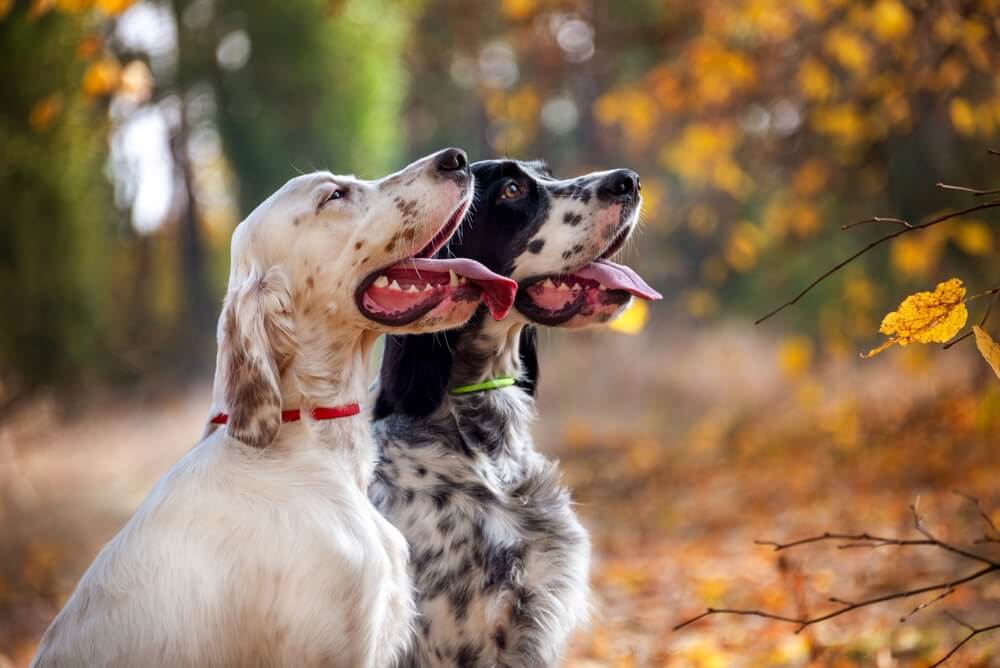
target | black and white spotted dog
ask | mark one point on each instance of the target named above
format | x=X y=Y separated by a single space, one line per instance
x=499 y=559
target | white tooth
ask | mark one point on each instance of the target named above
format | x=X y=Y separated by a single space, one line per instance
x=452 y=278
x=576 y=286
x=381 y=282
x=601 y=287
x=562 y=286
x=427 y=287
x=548 y=283
x=461 y=279
x=413 y=288
x=395 y=286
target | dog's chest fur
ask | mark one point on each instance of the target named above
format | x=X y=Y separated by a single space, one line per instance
x=228 y=563
x=499 y=559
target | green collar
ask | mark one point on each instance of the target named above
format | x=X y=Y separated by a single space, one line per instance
x=485 y=386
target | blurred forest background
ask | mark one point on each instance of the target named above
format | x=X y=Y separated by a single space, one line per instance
x=135 y=135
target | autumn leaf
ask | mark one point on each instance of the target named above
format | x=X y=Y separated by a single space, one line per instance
x=795 y=356
x=988 y=348
x=974 y=238
x=633 y=319
x=926 y=317
x=113 y=7
x=44 y=112
x=960 y=112
x=102 y=77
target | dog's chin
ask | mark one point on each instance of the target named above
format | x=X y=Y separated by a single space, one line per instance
x=454 y=310
x=420 y=302
x=433 y=290
x=571 y=303
x=594 y=293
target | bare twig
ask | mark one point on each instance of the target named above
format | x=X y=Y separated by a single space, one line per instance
x=804 y=623
x=982 y=323
x=927 y=604
x=888 y=237
x=973 y=191
x=868 y=539
x=991 y=527
x=858 y=540
x=878 y=219
x=973 y=632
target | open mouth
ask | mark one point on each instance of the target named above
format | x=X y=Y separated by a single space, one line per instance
x=408 y=290
x=596 y=291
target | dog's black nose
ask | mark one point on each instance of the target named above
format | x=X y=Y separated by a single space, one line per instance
x=451 y=160
x=620 y=183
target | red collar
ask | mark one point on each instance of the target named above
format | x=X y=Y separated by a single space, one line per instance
x=318 y=413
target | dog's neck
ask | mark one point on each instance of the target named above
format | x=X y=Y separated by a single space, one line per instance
x=329 y=369
x=486 y=349
x=496 y=422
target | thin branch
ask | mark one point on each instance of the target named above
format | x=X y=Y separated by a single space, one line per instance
x=888 y=237
x=869 y=541
x=982 y=323
x=804 y=623
x=990 y=524
x=858 y=540
x=927 y=604
x=878 y=219
x=973 y=632
x=975 y=192
x=919 y=526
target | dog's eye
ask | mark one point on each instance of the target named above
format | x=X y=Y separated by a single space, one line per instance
x=336 y=194
x=512 y=190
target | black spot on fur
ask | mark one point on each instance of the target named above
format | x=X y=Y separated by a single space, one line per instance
x=467 y=656
x=536 y=246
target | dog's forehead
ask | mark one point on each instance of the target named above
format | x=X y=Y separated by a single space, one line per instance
x=501 y=168
x=307 y=182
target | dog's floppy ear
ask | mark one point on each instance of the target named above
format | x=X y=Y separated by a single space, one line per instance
x=256 y=343
x=529 y=360
x=415 y=374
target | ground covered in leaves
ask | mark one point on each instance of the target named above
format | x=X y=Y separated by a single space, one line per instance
x=682 y=448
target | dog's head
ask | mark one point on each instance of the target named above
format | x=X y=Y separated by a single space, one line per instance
x=555 y=238
x=334 y=255
x=359 y=251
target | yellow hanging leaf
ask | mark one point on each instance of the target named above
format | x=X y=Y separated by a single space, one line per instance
x=926 y=317
x=962 y=119
x=633 y=319
x=519 y=10
x=974 y=237
x=988 y=348
x=113 y=7
x=795 y=356
x=891 y=20
x=102 y=77
x=73 y=6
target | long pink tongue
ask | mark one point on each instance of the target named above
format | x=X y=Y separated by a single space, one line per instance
x=616 y=276
x=498 y=291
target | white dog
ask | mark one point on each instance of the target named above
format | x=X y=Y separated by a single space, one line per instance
x=260 y=547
